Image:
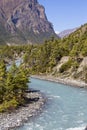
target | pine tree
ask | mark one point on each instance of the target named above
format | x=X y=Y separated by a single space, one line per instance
x=3 y=74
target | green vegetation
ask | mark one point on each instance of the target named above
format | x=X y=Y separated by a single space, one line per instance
x=41 y=59
x=13 y=84
x=66 y=66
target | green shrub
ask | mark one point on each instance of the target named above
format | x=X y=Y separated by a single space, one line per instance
x=75 y=65
x=66 y=66
x=8 y=105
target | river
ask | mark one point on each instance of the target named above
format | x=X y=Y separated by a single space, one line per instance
x=66 y=108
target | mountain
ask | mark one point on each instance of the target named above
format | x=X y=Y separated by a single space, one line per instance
x=66 y=33
x=23 y=21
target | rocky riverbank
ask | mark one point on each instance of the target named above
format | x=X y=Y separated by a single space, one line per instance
x=35 y=103
x=66 y=81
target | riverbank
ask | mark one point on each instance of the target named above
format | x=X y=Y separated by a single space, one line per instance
x=66 y=81
x=35 y=104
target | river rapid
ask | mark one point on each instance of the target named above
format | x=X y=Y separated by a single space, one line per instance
x=66 y=108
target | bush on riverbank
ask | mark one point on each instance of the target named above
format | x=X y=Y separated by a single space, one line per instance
x=13 y=84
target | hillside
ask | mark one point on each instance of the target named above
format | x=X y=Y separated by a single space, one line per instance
x=66 y=58
x=23 y=21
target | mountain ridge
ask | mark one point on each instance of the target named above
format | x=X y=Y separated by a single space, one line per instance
x=66 y=32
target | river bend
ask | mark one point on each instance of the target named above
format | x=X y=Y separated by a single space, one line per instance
x=66 y=108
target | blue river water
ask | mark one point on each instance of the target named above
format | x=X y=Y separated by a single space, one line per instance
x=66 y=108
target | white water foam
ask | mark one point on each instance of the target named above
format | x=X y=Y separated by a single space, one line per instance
x=55 y=96
x=77 y=128
x=52 y=97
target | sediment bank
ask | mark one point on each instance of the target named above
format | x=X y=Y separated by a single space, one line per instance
x=66 y=81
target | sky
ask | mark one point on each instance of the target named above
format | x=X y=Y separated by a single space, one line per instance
x=65 y=14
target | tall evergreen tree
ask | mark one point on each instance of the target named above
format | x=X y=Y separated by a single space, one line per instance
x=2 y=79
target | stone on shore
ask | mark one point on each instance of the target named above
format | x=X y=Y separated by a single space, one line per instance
x=86 y=128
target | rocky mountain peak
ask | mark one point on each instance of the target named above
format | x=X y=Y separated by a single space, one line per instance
x=25 y=17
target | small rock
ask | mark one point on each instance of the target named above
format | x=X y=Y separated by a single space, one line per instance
x=85 y=128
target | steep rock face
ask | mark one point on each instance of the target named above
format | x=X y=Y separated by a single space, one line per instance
x=25 y=20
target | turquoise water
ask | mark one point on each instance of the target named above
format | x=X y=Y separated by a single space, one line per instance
x=66 y=108
x=17 y=62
